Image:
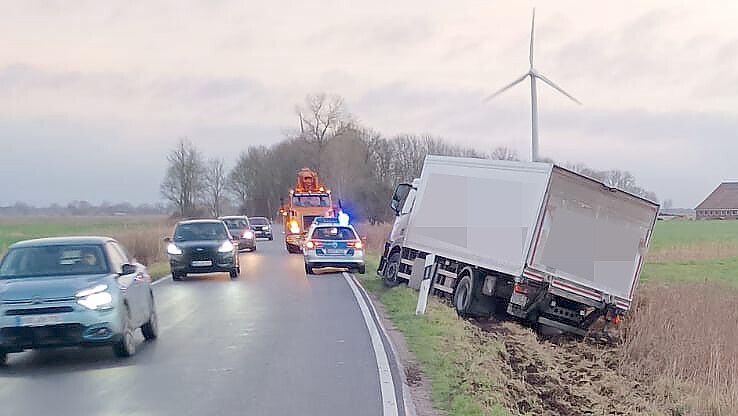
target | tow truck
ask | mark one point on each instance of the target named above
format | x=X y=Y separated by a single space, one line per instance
x=308 y=201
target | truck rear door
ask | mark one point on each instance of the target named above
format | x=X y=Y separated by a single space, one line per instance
x=592 y=237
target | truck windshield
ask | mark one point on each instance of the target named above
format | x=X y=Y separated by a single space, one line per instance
x=60 y=260
x=310 y=201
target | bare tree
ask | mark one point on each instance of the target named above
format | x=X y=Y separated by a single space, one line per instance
x=504 y=153
x=321 y=118
x=215 y=184
x=183 y=180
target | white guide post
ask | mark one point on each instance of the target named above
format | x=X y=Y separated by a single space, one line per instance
x=428 y=273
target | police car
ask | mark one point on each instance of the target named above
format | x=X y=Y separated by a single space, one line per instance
x=333 y=242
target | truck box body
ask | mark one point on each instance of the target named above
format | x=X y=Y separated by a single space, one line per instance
x=533 y=220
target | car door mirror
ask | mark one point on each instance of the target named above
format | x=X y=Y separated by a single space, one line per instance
x=127 y=269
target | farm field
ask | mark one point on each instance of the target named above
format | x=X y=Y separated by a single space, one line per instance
x=141 y=235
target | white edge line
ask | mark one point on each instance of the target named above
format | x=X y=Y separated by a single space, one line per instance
x=407 y=398
x=161 y=279
x=386 y=384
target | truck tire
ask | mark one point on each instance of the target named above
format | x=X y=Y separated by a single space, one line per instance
x=469 y=301
x=390 y=271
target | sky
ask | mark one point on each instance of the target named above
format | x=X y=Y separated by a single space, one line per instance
x=94 y=94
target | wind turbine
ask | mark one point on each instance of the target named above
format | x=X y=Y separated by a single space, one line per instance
x=533 y=74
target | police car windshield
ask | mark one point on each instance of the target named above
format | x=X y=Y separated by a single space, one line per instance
x=333 y=233
x=310 y=201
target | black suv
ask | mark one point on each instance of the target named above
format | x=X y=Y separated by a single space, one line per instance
x=202 y=246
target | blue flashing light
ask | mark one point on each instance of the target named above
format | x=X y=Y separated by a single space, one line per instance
x=343 y=218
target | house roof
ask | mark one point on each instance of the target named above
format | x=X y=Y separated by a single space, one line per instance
x=725 y=196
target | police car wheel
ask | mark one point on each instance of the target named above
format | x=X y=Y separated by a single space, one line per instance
x=362 y=269
x=308 y=269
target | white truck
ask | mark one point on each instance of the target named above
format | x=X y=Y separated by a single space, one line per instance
x=533 y=240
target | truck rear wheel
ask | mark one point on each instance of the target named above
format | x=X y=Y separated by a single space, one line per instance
x=469 y=301
x=391 y=269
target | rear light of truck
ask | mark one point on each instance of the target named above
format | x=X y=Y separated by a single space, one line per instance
x=519 y=288
x=355 y=244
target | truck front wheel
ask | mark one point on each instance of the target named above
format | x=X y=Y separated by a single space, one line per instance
x=390 y=271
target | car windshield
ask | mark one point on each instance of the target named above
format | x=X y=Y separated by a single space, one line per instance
x=333 y=233
x=200 y=231
x=310 y=201
x=258 y=221
x=56 y=260
x=236 y=223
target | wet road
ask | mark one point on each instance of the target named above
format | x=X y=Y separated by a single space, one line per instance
x=274 y=342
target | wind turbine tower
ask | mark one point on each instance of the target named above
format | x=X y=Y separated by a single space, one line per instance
x=533 y=74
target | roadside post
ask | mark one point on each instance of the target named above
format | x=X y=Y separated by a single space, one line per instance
x=428 y=272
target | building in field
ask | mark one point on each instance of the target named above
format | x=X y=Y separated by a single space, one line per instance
x=722 y=203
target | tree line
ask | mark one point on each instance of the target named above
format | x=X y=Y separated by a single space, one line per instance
x=361 y=166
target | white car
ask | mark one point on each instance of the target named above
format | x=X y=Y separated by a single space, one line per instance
x=331 y=244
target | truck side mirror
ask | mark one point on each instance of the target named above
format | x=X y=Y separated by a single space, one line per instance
x=398 y=199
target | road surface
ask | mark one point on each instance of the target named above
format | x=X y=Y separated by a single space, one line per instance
x=274 y=342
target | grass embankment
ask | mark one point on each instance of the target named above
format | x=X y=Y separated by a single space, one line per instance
x=141 y=236
x=446 y=348
x=680 y=341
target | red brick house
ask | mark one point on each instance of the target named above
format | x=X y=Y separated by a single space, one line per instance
x=722 y=203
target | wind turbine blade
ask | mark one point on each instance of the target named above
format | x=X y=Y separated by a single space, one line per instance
x=532 y=28
x=556 y=87
x=507 y=87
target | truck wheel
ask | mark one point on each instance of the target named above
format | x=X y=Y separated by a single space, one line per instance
x=390 y=271
x=463 y=296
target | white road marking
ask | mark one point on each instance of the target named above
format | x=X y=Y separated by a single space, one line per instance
x=387 y=385
x=167 y=277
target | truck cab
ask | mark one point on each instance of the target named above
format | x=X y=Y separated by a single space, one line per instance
x=402 y=204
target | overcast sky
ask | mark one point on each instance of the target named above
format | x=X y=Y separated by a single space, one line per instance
x=93 y=94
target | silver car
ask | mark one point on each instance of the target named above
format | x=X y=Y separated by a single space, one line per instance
x=330 y=244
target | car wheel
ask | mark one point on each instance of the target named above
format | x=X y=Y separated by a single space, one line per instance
x=390 y=271
x=3 y=358
x=234 y=273
x=362 y=269
x=126 y=347
x=308 y=269
x=150 y=329
x=177 y=276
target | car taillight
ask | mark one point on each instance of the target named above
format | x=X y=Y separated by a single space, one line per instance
x=355 y=244
x=312 y=244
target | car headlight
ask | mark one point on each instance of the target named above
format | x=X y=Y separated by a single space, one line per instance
x=173 y=249
x=248 y=235
x=225 y=247
x=96 y=298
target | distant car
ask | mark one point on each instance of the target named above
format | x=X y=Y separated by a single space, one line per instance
x=73 y=291
x=242 y=231
x=330 y=244
x=202 y=246
x=262 y=227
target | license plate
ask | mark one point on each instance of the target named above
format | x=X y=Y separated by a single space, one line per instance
x=202 y=263
x=39 y=320
x=335 y=251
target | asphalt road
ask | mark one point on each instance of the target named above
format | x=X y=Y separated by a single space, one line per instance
x=274 y=342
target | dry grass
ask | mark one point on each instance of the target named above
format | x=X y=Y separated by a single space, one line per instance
x=374 y=236
x=686 y=337
x=702 y=251
x=145 y=244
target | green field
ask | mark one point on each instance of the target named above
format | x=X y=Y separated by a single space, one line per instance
x=668 y=234
x=129 y=230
